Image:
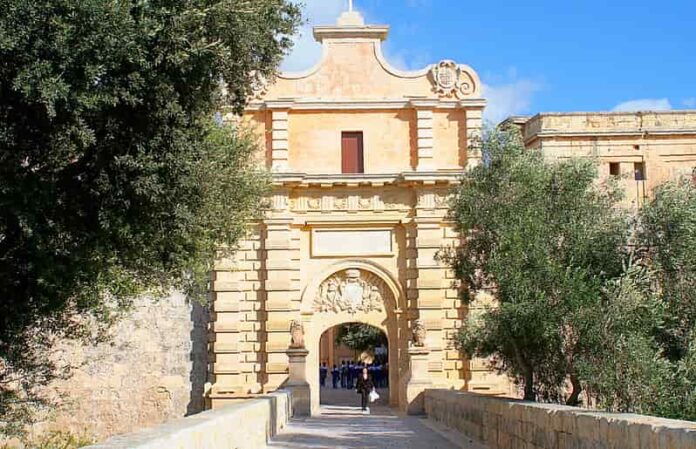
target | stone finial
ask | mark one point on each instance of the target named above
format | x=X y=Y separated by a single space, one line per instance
x=419 y=333
x=296 y=335
x=351 y=19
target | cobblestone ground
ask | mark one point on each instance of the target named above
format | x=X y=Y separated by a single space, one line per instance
x=342 y=425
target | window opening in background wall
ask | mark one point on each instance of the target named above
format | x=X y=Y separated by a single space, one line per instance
x=614 y=169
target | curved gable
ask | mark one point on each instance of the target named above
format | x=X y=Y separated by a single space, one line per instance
x=353 y=68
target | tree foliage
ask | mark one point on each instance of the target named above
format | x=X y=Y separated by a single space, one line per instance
x=360 y=337
x=585 y=296
x=644 y=347
x=114 y=178
x=542 y=237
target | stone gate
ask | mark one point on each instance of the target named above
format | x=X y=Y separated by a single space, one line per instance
x=364 y=157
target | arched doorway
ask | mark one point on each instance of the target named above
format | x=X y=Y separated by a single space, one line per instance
x=344 y=350
x=355 y=292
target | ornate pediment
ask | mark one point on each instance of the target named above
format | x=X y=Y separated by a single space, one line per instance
x=352 y=291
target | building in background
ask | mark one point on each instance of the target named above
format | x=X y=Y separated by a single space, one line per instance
x=642 y=149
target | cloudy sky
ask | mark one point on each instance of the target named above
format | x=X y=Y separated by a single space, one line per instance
x=539 y=55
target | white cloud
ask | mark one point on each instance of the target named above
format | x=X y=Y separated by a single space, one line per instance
x=506 y=99
x=307 y=51
x=690 y=102
x=644 y=104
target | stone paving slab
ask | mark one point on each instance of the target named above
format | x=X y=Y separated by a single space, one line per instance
x=345 y=427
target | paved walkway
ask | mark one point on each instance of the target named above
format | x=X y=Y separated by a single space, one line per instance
x=345 y=427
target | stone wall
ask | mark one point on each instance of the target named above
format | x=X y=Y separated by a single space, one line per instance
x=248 y=424
x=153 y=370
x=501 y=423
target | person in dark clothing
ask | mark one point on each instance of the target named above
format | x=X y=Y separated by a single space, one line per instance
x=344 y=372
x=349 y=376
x=335 y=376
x=364 y=387
x=323 y=371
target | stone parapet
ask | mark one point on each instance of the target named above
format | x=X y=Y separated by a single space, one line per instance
x=501 y=423
x=247 y=424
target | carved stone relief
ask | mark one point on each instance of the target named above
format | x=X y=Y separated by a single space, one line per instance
x=419 y=333
x=259 y=86
x=351 y=291
x=296 y=335
x=449 y=80
x=389 y=200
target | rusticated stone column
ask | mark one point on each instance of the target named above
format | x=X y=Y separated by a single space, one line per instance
x=297 y=382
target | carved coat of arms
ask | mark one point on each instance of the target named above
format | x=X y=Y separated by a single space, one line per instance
x=350 y=291
x=450 y=80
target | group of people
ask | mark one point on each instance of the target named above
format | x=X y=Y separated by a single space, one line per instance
x=361 y=376
x=347 y=374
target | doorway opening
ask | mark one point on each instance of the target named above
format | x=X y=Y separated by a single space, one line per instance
x=344 y=350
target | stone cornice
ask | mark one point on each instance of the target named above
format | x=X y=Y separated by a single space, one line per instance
x=449 y=177
x=610 y=133
x=377 y=32
x=393 y=103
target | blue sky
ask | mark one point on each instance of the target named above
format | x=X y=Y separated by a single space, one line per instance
x=539 y=55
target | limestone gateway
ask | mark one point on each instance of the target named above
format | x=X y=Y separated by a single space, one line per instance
x=363 y=157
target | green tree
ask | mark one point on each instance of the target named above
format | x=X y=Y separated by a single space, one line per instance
x=667 y=241
x=114 y=177
x=644 y=345
x=360 y=337
x=542 y=237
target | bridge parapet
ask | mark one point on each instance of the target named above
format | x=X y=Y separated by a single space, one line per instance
x=503 y=423
x=247 y=424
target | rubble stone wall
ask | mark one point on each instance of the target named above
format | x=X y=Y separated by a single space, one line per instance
x=153 y=370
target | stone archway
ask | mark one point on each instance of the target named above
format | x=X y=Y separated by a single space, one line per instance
x=354 y=291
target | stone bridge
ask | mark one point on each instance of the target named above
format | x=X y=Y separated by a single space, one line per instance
x=452 y=419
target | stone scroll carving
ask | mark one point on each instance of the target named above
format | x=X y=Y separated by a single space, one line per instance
x=351 y=291
x=449 y=80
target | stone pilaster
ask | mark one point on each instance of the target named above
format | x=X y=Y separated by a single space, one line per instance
x=424 y=140
x=279 y=140
x=432 y=282
x=474 y=123
x=235 y=288
x=282 y=286
x=455 y=365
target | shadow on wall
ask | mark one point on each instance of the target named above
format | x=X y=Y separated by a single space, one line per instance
x=199 y=357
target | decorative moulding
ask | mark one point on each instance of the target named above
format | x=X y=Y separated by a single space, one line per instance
x=395 y=103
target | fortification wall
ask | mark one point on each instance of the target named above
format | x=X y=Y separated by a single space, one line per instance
x=153 y=370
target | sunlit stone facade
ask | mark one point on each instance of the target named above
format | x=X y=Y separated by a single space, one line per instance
x=342 y=247
x=643 y=149
x=364 y=157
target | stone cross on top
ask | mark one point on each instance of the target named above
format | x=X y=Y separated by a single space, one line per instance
x=350 y=5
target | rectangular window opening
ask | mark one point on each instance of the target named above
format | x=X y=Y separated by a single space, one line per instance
x=614 y=169
x=352 y=160
x=639 y=170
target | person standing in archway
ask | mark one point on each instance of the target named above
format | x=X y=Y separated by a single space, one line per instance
x=364 y=387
